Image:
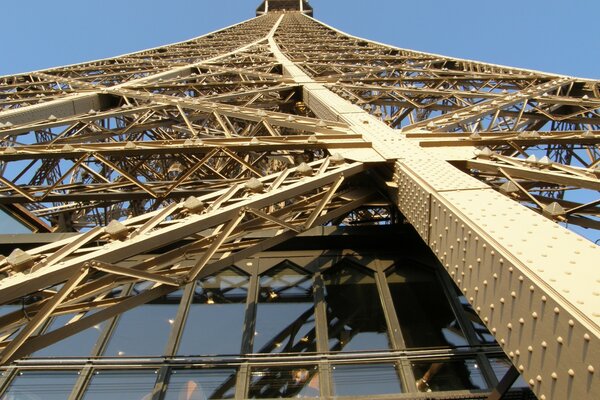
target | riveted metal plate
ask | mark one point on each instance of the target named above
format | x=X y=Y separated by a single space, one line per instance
x=439 y=175
x=413 y=201
x=540 y=301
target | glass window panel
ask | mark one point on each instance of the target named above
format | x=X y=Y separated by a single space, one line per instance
x=78 y=345
x=201 y=384
x=216 y=317
x=448 y=375
x=483 y=334
x=285 y=312
x=121 y=385
x=284 y=382
x=363 y=380
x=424 y=313
x=41 y=385
x=354 y=313
x=142 y=331
x=501 y=367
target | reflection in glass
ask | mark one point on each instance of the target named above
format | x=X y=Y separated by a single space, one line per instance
x=362 y=380
x=121 y=385
x=481 y=331
x=354 y=314
x=41 y=385
x=448 y=375
x=425 y=316
x=201 y=384
x=284 y=382
x=500 y=366
x=285 y=312
x=78 y=345
x=142 y=331
x=216 y=316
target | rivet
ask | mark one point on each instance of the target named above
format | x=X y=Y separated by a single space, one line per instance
x=502 y=341
x=502 y=300
x=571 y=372
x=485 y=283
x=518 y=353
x=510 y=269
x=556 y=310
x=521 y=321
x=513 y=294
x=544 y=344
x=538 y=378
x=543 y=397
x=521 y=368
x=493 y=330
x=492 y=306
x=586 y=337
x=571 y=323
x=511 y=354
x=544 y=299
x=530 y=349
x=554 y=375
x=531 y=288
x=495 y=276
x=559 y=339
x=590 y=369
x=521 y=278
x=485 y=319
x=531 y=382
x=534 y=315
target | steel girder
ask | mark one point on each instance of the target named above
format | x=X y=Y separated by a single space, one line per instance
x=244 y=123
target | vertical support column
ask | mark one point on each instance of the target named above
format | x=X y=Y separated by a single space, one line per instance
x=175 y=336
x=322 y=335
x=405 y=371
x=250 y=316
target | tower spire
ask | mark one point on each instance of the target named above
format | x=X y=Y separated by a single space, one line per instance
x=302 y=6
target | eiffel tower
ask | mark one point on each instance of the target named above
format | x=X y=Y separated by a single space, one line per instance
x=280 y=209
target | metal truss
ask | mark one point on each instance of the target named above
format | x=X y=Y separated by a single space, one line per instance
x=211 y=150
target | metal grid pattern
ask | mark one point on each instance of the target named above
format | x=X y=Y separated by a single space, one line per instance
x=221 y=147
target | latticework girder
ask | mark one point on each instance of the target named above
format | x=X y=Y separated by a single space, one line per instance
x=171 y=164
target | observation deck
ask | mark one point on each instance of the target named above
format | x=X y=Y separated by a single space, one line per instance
x=284 y=6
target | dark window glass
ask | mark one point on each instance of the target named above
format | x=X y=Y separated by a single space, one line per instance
x=117 y=385
x=354 y=314
x=483 y=334
x=201 y=384
x=38 y=385
x=284 y=382
x=78 y=345
x=501 y=367
x=142 y=331
x=443 y=375
x=285 y=312
x=216 y=316
x=424 y=313
x=363 y=380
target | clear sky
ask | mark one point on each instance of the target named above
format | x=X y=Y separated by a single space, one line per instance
x=550 y=35
x=560 y=36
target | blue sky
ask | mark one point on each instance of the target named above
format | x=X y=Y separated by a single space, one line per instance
x=550 y=35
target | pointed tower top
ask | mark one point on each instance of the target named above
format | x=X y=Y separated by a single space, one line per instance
x=284 y=6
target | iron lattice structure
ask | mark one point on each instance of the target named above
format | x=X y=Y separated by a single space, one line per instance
x=167 y=166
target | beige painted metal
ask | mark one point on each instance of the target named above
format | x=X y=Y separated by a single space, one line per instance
x=535 y=284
